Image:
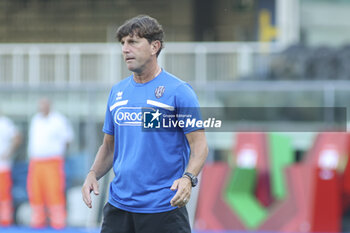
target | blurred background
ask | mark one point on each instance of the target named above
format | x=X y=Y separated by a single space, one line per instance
x=235 y=53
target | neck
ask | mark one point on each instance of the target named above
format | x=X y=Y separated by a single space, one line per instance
x=147 y=74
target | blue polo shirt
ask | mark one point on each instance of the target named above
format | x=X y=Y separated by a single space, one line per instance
x=147 y=162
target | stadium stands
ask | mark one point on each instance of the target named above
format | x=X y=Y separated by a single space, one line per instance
x=300 y=62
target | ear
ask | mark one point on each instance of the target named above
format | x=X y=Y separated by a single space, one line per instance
x=155 y=46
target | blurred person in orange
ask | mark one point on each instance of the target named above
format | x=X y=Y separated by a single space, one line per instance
x=10 y=139
x=49 y=136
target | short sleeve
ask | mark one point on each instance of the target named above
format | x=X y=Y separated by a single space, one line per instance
x=9 y=128
x=187 y=108
x=108 y=126
x=69 y=131
x=12 y=129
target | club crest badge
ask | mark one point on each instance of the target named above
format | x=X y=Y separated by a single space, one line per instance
x=159 y=91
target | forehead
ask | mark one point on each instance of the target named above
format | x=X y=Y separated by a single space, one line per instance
x=133 y=36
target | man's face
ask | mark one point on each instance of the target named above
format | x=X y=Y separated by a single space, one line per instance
x=137 y=52
x=44 y=106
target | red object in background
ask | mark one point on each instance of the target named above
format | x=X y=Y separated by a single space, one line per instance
x=303 y=189
x=346 y=181
x=281 y=212
x=6 y=208
x=328 y=152
x=346 y=187
x=327 y=209
x=292 y=213
x=257 y=142
x=212 y=212
x=263 y=191
x=222 y=211
x=318 y=190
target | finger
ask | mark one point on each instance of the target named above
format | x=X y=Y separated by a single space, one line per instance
x=182 y=195
x=180 y=203
x=86 y=197
x=177 y=199
x=184 y=201
x=95 y=188
x=87 y=201
x=175 y=185
x=88 y=204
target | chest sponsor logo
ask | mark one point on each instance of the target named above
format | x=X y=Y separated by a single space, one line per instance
x=159 y=91
x=130 y=116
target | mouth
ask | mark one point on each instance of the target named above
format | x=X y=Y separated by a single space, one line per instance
x=129 y=59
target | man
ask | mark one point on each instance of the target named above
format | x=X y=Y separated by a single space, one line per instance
x=10 y=139
x=49 y=136
x=154 y=170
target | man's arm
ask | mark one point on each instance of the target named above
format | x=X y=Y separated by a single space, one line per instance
x=102 y=164
x=199 y=153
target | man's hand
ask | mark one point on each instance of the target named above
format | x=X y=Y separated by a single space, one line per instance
x=183 y=194
x=90 y=184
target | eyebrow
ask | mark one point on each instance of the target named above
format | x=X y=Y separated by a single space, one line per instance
x=128 y=40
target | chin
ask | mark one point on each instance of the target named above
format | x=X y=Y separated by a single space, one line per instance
x=133 y=69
